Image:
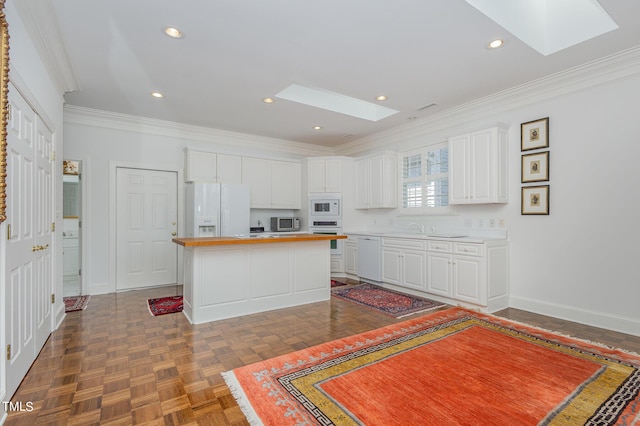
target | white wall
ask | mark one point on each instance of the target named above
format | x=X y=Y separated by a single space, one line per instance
x=578 y=263
x=102 y=139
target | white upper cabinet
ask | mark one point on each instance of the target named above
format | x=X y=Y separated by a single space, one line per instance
x=478 y=167
x=274 y=184
x=229 y=168
x=202 y=166
x=285 y=185
x=256 y=172
x=324 y=175
x=377 y=181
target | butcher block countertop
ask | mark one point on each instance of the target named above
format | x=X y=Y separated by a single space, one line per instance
x=254 y=239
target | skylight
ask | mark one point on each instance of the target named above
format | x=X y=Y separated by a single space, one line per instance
x=548 y=25
x=335 y=102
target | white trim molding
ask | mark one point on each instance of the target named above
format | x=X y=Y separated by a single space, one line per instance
x=235 y=141
x=569 y=313
x=624 y=64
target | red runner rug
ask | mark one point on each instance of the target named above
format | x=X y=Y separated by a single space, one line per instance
x=335 y=283
x=452 y=367
x=75 y=303
x=165 y=305
x=388 y=302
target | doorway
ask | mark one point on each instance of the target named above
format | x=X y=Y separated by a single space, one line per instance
x=72 y=227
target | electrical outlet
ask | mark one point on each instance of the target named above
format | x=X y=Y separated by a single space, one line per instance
x=501 y=223
x=492 y=223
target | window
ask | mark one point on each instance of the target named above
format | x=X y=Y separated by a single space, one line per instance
x=425 y=179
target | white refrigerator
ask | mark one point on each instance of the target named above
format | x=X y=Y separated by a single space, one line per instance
x=216 y=209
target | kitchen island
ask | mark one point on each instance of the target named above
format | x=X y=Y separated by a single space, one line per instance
x=226 y=277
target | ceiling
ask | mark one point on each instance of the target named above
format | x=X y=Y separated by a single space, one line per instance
x=237 y=52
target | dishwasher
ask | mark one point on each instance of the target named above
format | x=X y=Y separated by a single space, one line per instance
x=368 y=258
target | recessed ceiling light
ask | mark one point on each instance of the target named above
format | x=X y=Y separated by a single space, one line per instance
x=157 y=95
x=268 y=100
x=173 y=32
x=381 y=98
x=496 y=44
x=317 y=127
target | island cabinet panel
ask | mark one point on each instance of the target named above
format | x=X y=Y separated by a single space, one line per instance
x=230 y=280
x=227 y=267
x=311 y=261
x=272 y=281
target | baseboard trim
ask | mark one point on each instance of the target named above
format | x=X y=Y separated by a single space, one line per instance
x=583 y=316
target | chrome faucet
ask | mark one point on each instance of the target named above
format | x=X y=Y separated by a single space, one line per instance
x=419 y=226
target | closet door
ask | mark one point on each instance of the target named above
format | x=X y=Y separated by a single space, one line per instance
x=29 y=245
x=21 y=269
x=44 y=219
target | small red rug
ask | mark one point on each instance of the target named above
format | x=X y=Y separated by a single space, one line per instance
x=75 y=303
x=335 y=283
x=452 y=367
x=388 y=302
x=165 y=305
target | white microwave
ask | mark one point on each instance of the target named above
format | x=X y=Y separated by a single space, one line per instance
x=325 y=206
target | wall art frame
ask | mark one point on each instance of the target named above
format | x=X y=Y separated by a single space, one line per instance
x=535 y=200
x=535 y=167
x=534 y=134
x=4 y=89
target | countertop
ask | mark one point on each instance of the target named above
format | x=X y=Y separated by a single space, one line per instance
x=453 y=236
x=254 y=239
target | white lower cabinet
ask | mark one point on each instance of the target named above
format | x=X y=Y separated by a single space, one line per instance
x=351 y=255
x=455 y=272
x=404 y=263
x=469 y=272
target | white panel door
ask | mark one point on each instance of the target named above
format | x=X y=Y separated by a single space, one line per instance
x=44 y=219
x=146 y=221
x=22 y=240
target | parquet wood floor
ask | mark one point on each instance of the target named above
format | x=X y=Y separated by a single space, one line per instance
x=115 y=364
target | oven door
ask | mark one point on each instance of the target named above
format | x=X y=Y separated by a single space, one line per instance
x=336 y=245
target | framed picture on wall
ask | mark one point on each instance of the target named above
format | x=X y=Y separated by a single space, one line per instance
x=535 y=200
x=534 y=134
x=535 y=167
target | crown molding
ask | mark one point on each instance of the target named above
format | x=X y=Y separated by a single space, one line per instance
x=622 y=65
x=233 y=140
x=39 y=20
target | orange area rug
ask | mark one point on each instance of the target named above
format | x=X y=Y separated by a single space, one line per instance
x=453 y=367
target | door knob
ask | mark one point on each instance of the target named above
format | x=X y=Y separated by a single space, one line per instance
x=173 y=234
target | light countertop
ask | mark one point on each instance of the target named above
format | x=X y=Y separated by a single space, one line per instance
x=452 y=236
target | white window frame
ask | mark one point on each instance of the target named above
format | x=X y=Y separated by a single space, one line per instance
x=422 y=179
